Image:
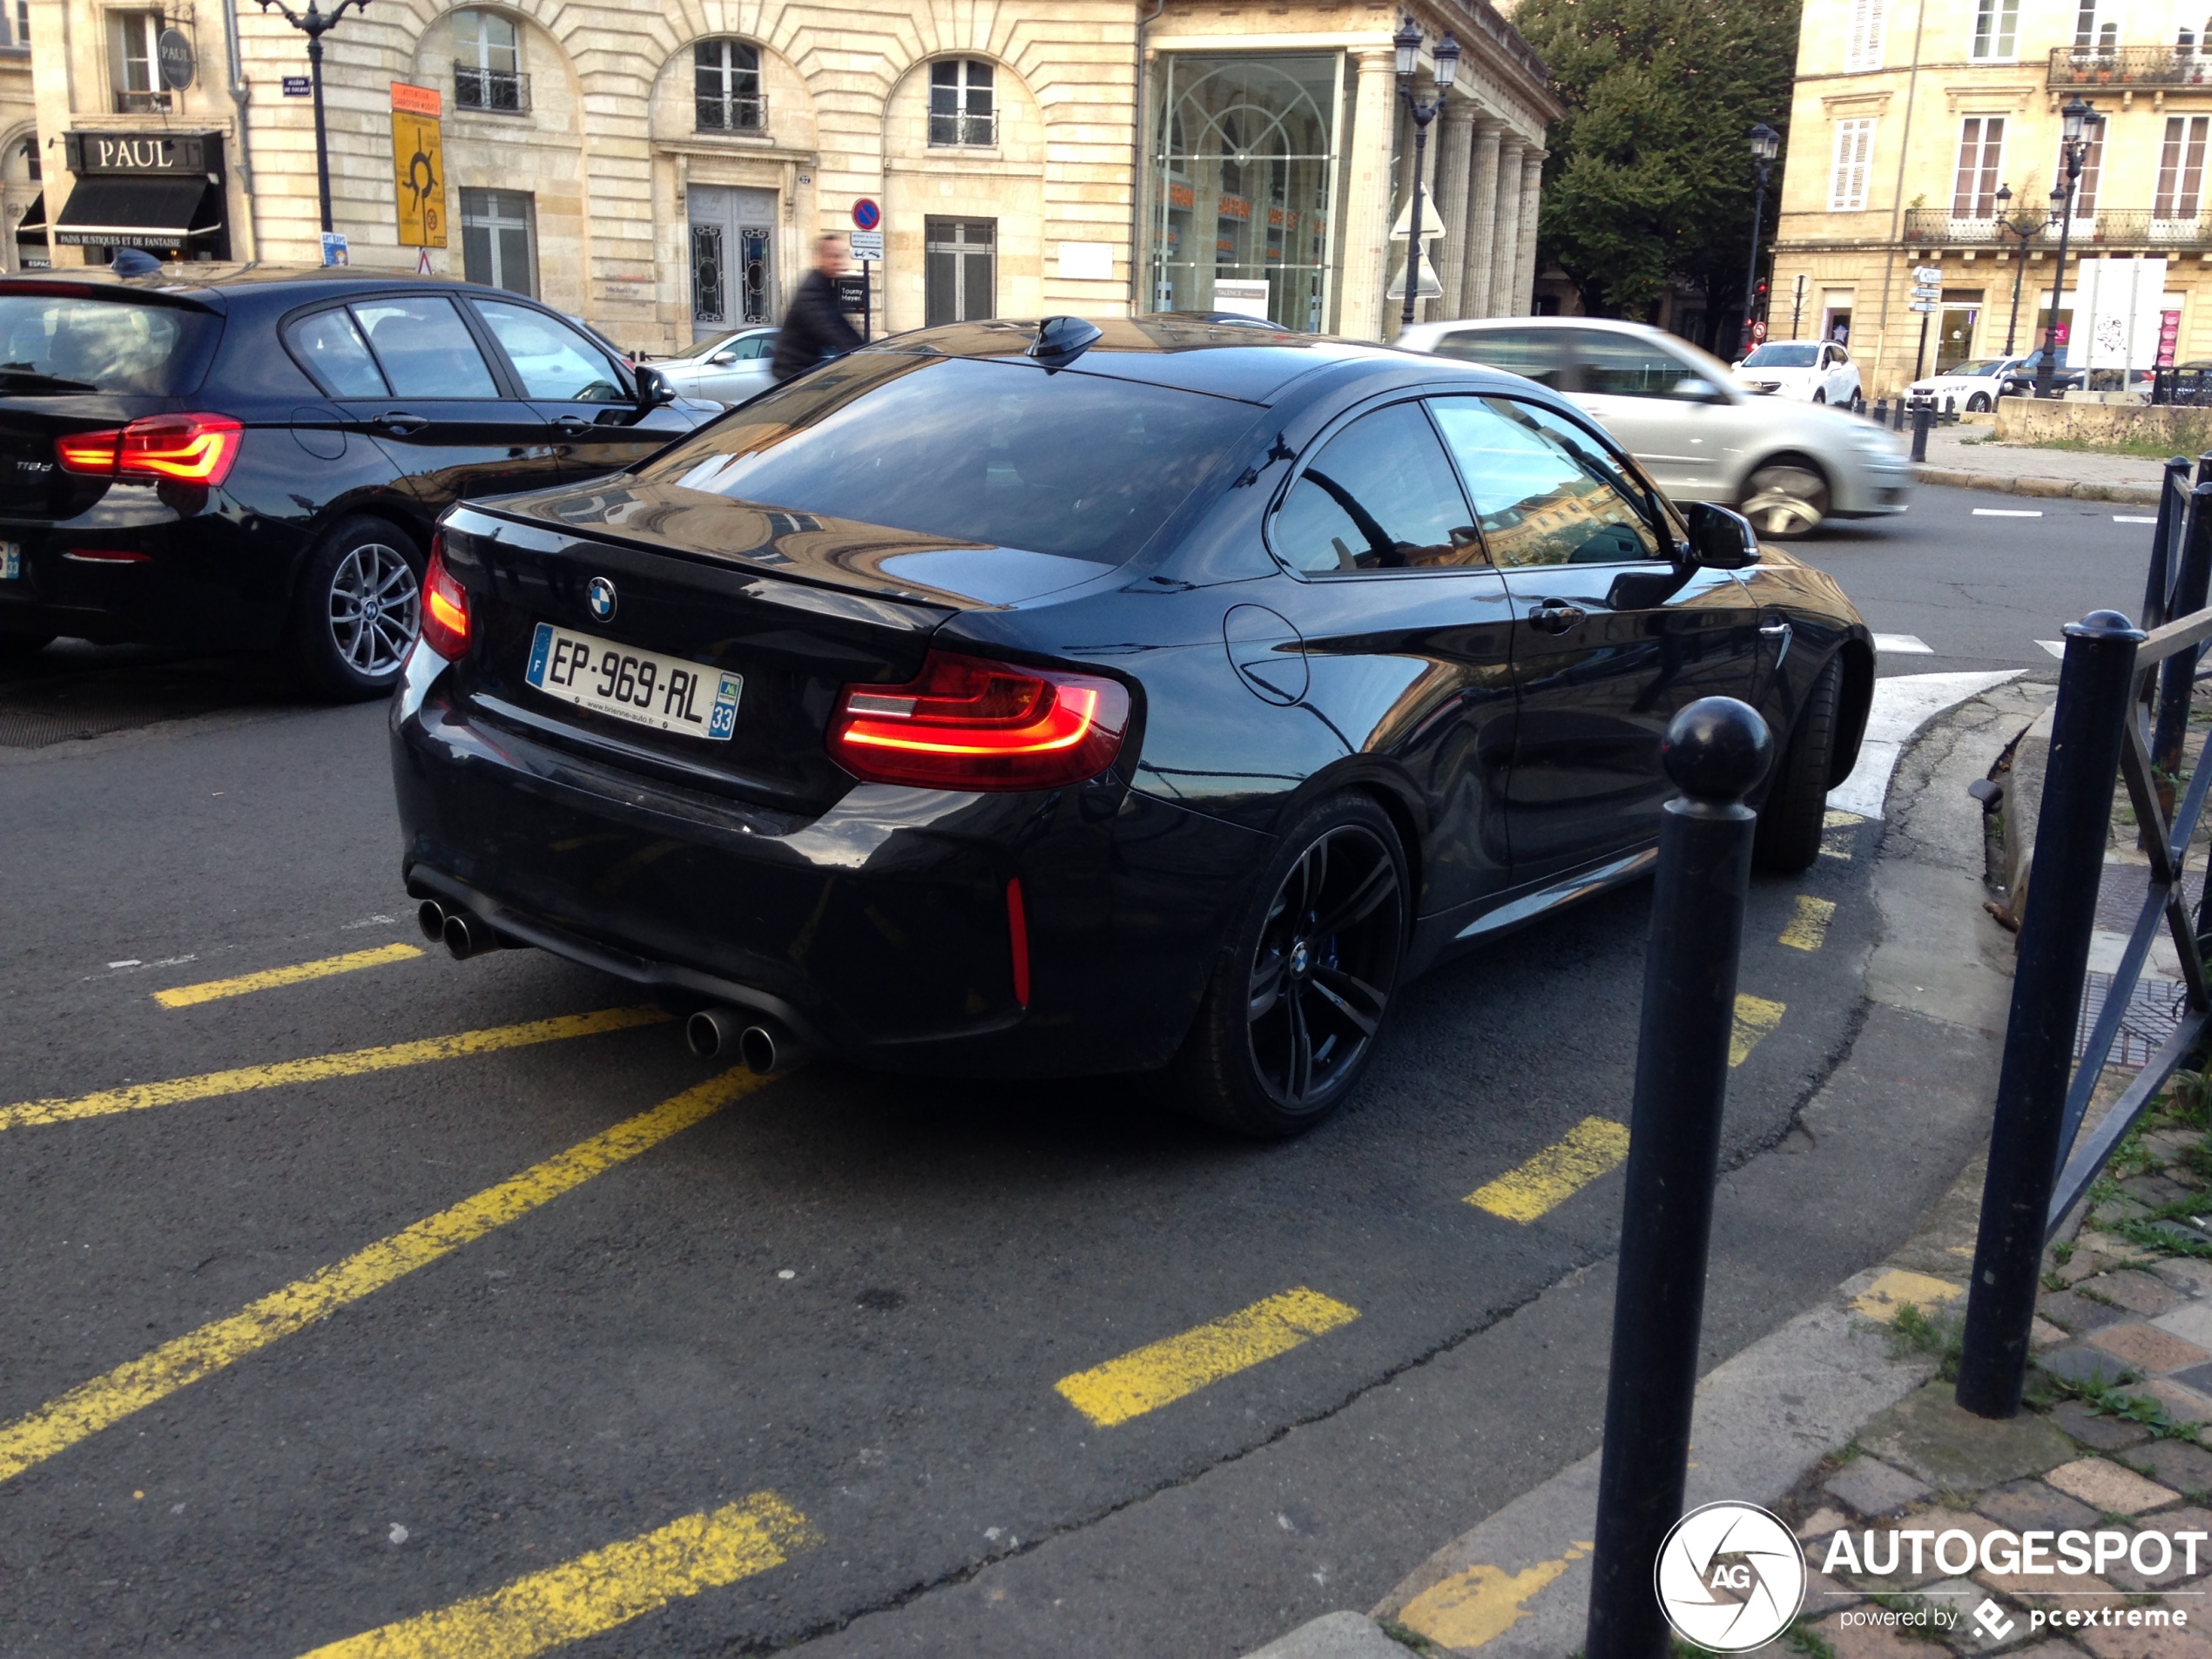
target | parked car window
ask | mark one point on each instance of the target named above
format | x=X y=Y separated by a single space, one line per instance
x=1379 y=495
x=550 y=359
x=1545 y=491
x=95 y=345
x=1540 y=353
x=332 y=349
x=1838 y=354
x=424 y=348
x=1624 y=366
x=1784 y=354
x=751 y=346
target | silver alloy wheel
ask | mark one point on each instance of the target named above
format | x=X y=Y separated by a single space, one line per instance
x=1322 y=976
x=1978 y=404
x=1784 y=500
x=375 y=607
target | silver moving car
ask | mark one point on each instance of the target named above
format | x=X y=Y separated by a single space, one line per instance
x=1785 y=466
x=728 y=369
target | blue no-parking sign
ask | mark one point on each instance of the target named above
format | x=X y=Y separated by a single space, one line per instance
x=865 y=214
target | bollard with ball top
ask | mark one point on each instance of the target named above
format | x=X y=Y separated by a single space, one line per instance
x=1716 y=751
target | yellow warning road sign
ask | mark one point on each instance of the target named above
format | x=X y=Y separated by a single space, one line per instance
x=419 y=179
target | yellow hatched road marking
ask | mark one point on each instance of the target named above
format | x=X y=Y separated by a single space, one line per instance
x=1807 y=929
x=1556 y=1174
x=1839 y=832
x=598 y=1592
x=137 y=1384
x=1755 y=1017
x=184 y=997
x=1163 y=1371
x=139 y=1096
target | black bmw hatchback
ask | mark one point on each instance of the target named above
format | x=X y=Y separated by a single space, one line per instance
x=255 y=459
x=1014 y=699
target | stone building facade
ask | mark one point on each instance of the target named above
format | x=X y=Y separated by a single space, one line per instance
x=659 y=166
x=1907 y=122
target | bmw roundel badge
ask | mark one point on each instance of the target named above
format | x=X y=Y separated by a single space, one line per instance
x=600 y=596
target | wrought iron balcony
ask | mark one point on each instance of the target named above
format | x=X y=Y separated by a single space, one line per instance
x=740 y=112
x=2104 y=231
x=979 y=130
x=501 y=91
x=2089 y=67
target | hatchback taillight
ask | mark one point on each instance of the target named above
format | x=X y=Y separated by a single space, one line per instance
x=968 y=723
x=186 y=449
x=445 y=607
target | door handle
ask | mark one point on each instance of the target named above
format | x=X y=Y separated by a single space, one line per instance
x=1782 y=631
x=398 y=422
x=571 y=426
x=1554 y=617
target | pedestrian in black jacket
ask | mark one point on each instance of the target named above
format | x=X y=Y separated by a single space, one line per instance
x=814 y=329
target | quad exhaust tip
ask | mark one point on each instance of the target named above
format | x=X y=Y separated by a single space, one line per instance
x=460 y=931
x=763 y=1047
x=430 y=917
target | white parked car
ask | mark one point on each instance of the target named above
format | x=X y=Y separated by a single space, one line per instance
x=1809 y=371
x=1971 y=388
x=728 y=369
x=1702 y=437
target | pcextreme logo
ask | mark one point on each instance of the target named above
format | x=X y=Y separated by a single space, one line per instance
x=1730 y=1577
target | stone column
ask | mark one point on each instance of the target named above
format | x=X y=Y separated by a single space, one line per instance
x=1362 y=260
x=1481 y=211
x=1505 y=235
x=1454 y=132
x=1532 y=190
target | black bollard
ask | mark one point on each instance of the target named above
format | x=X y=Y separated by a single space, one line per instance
x=1717 y=751
x=1923 y=418
x=2177 y=674
x=2070 y=833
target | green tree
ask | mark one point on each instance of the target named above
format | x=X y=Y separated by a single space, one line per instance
x=1649 y=178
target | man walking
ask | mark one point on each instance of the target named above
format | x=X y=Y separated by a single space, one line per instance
x=814 y=328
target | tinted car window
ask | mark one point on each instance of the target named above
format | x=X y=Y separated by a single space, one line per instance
x=95 y=345
x=331 y=346
x=424 y=347
x=1540 y=353
x=1379 y=495
x=550 y=359
x=753 y=345
x=1623 y=366
x=1544 y=492
x=1002 y=454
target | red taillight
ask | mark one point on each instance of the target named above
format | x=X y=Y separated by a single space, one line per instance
x=965 y=723
x=190 y=448
x=1017 y=937
x=445 y=607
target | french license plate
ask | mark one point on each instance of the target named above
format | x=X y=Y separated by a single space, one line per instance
x=664 y=692
x=11 y=561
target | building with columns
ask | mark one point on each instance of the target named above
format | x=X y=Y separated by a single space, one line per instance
x=659 y=168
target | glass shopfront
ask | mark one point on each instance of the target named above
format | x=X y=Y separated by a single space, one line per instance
x=1242 y=200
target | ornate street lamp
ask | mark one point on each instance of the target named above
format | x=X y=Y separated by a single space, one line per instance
x=315 y=24
x=1766 y=144
x=1408 y=42
x=2026 y=230
x=2074 y=125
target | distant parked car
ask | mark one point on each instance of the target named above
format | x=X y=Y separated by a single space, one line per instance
x=1701 y=436
x=728 y=369
x=1973 y=387
x=1806 y=371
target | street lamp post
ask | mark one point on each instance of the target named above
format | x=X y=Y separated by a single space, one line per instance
x=2026 y=230
x=315 y=24
x=2074 y=125
x=1408 y=42
x=1766 y=144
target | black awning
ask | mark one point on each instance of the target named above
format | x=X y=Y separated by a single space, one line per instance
x=139 y=212
x=34 y=218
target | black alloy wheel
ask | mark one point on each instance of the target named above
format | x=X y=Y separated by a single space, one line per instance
x=1795 y=813
x=357 y=608
x=1300 y=994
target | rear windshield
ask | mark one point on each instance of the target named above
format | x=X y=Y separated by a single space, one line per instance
x=1002 y=453
x=56 y=344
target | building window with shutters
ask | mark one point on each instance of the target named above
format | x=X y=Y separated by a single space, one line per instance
x=1981 y=149
x=727 y=85
x=488 y=64
x=1863 y=50
x=499 y=239
x=2180 y=169
x=134 y=59
x=1853 y=162
x=2093 y=165
x=1996 y=37
x=960 y=270
x=961 y=109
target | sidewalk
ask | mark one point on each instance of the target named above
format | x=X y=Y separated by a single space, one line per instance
x=1965 y=457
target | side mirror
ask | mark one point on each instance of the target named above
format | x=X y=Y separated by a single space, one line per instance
x=1720 y=539
x=723 y=359
x=653 y=389
x=1695 y=389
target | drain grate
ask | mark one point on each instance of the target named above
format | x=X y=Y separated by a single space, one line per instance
x=2151 y=1016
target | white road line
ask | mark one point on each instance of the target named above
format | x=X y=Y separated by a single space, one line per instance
x=2056 y=647
x=2007 y=512
x=1903 y=704
x=1907 y=644
x=2131 y=518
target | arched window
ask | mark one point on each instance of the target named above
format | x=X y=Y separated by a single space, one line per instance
x=727 y=81
x=960 y=111
x=27 y=157
x=488 y=64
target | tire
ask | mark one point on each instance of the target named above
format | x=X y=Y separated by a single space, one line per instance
x=1978 y=404
x=1788 y=839
x=357 y=610
x=1316 y=954
x=1785 y=498
x=1820 y=397
x=20 y=648
x=1858 y=402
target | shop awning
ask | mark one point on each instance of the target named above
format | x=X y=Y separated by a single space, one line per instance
x=34 y=218
x=139 y=212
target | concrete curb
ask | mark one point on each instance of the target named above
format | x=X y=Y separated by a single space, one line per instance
x=2128 y=495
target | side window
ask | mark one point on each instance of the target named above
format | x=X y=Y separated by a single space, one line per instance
x=1379 y=495
x=755 y=346
x=1545 y=491
x=333 y=351
x=424 y=347
x=550 y=359
x=1539 y=354
x=1623 y=366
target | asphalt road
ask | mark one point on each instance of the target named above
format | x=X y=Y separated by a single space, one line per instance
x=249 y=1407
